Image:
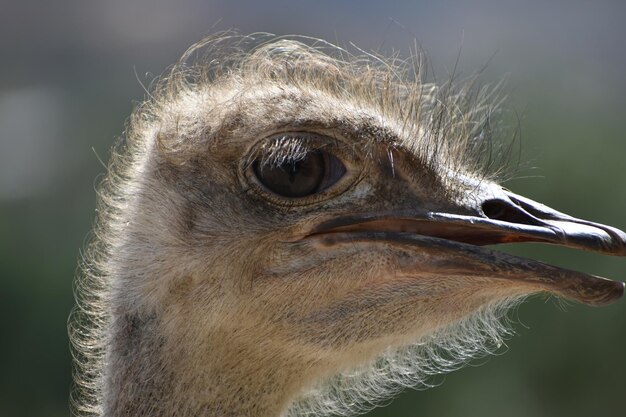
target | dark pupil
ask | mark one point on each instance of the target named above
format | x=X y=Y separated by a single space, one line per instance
x=293 y=178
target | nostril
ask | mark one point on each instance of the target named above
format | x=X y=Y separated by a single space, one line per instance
x=507 y=212
x=494 y=209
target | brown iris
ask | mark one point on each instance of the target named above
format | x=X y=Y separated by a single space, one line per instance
x=315 y=172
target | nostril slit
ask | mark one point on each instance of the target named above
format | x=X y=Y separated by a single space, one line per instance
x=505 y=211
x=495 y=210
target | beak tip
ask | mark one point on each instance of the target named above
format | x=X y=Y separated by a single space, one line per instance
x=592 y=290
x=620 y=289
x=613 y=293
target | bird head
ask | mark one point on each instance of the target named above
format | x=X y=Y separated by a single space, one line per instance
x=290 y=207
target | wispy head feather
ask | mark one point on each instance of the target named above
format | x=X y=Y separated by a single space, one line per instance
x=357 y=391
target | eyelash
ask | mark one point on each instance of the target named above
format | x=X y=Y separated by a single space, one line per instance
x=283 y=150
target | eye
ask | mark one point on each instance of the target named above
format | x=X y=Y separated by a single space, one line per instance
x=314 y=172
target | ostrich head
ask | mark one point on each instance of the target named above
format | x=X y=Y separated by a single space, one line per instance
x=284 y=232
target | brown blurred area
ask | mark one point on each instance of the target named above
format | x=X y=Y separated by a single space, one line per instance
x=72 y=70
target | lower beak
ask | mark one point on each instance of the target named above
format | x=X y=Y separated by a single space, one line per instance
x=452 y=241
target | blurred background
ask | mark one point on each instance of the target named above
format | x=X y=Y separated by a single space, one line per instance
x=72 y=70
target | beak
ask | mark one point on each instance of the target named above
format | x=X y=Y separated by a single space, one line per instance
x=493 y=216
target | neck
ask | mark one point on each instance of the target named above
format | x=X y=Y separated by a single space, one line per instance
x=149 y=373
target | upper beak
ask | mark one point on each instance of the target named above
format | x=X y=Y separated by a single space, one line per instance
x=495 y=215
